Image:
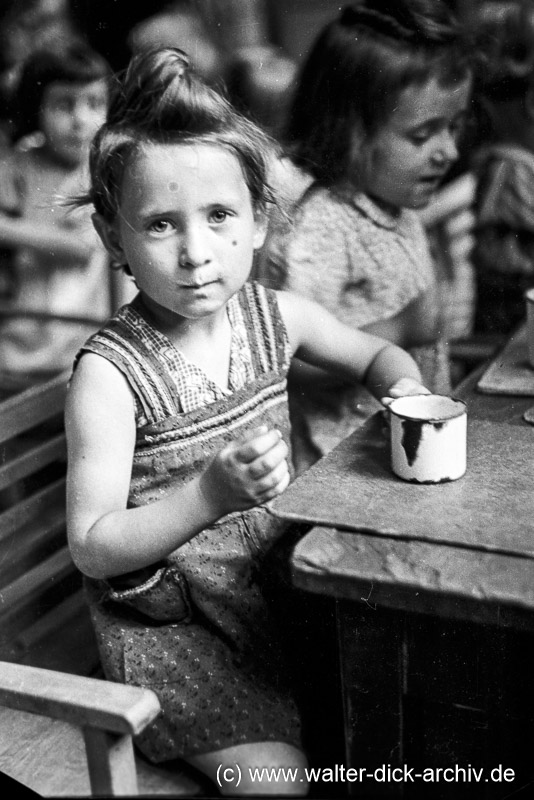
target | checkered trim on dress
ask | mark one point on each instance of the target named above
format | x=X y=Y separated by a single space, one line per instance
x=194 y=389
x=165 y=382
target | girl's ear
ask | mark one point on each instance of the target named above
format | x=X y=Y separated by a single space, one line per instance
x=261 y=221
x=110 y=238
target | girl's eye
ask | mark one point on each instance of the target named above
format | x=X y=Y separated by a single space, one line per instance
x=420 y=137
x=160 y=226
x=219 y=215
x=62 y=107
x=97 y=103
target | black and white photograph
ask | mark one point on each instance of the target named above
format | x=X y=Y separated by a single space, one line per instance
x=267 y=399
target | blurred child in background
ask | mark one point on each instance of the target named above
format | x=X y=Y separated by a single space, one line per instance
x=25 y=26
x=372 y=130
x=503 y=254
x=59 y=266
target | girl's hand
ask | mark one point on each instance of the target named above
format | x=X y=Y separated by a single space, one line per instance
x=247 y=472
x=403 y=387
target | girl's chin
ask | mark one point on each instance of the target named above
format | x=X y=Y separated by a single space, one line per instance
x=422 y=198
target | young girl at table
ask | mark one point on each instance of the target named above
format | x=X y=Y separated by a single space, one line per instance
x=58 y=265
x=177 y=425
x=371 y=132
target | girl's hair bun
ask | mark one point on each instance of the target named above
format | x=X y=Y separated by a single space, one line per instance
x=160 y=90
x=160 y=100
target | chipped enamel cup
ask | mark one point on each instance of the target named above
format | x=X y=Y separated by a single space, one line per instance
x=428 y=438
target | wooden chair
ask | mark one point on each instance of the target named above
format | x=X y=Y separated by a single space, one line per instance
x=63 y=729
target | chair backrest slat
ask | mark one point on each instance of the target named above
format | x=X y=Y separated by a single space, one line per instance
x=31 y=407
x=55 y=619
x=33 y=460
x=24 y=589
x=34 y=507
x=29 y=546
x=37 y=575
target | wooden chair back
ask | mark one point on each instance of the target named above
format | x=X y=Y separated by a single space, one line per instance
x=61 y=732
x=39 y=585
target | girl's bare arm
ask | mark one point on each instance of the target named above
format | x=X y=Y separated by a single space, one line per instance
x=318 y=338
x=418 y=324
x=105 y=537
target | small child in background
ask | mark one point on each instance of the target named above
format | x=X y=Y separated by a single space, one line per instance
x=178 y=430
x=372 y=130
x=503 y=254
x=59 y=265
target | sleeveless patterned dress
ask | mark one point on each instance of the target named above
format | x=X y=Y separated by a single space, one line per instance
x=198 y=628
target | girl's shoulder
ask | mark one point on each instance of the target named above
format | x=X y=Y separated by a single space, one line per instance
x=97 y=389
x=20 y=171
x=264 y=321
x=126 y=335
x=259 y=305
x=29 y=169
x=134 y=349
x=352 y=214
x=31 y=156
x=322 y=208
x=288 y=181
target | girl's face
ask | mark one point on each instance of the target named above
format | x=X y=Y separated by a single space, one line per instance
x=186 y=228
x=70 y=115
x=410 y=154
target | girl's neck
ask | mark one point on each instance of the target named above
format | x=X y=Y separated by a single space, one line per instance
x=389 y=208
x=205 y=342
x=181 y=330
x=59 y=164
x=348 y=189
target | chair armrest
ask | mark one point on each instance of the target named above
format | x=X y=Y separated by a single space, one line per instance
x=87 y=702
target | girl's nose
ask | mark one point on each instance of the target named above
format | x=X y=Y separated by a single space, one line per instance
x=447 y=151
x=81 y=115
x=194 y=251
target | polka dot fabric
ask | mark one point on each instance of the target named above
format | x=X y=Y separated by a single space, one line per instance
x=196 y=628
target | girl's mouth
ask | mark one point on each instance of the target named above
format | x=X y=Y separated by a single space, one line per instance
x=432 y=178
x=195 y=286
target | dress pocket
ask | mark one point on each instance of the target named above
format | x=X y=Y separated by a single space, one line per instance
x=163 y=597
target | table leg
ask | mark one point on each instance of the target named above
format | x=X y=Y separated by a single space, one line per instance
x=446 y=698
x=371 y=650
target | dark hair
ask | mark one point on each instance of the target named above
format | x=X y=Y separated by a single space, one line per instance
x=70 y=62
x=160 y=100
x=356 y=70
x=504 y=39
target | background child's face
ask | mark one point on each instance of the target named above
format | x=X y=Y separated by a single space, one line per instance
x=71 y=114
x=411 y=153
x=186 y=227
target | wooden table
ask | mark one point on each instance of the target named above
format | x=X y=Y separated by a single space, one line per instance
x=436 y=627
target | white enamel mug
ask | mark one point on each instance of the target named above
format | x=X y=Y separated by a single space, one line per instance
x=428 y=438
